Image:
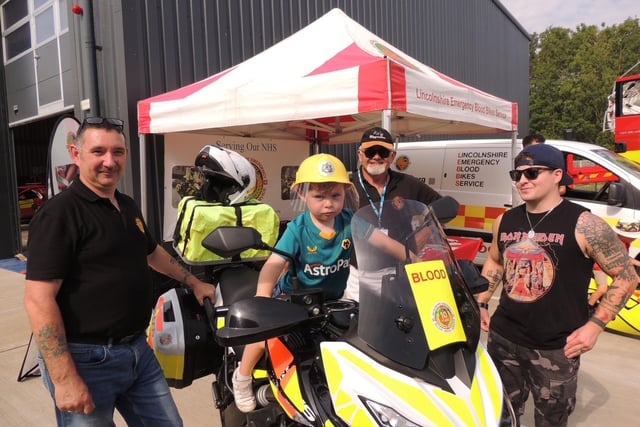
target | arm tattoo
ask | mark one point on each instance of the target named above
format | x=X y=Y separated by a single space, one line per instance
x=51 y=342
x=494 y=277
x=604 y=247
x=185 y=273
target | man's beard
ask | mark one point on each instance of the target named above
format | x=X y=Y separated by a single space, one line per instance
x=375 y=169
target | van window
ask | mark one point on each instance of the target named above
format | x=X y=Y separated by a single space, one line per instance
x=627 y=165
x=590 y=180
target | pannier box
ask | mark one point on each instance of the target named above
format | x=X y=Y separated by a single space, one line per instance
x=181 y=338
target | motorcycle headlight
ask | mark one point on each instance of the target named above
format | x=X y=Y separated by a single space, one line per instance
x=386 y=416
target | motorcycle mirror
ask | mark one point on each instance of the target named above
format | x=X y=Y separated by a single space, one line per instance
x=475 y=282
x=445 y=208
x=229 y=241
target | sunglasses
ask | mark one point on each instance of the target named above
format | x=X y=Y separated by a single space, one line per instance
x=376 y=149
x=531 y=173
x=102 y=122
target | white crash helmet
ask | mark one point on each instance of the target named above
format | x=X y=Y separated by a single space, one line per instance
x=229 y=177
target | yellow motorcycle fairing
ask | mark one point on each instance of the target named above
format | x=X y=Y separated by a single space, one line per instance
x=352 y=376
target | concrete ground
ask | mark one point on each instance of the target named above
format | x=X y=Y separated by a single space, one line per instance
x=607 y=393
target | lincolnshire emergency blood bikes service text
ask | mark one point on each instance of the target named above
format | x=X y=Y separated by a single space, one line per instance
x=472 y=165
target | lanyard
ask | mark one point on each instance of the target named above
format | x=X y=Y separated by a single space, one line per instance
x=373 y=206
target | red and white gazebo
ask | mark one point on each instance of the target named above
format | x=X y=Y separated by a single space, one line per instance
x=325 y=84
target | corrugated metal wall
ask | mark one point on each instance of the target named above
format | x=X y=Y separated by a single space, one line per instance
x=173 y=43
x=163 y=45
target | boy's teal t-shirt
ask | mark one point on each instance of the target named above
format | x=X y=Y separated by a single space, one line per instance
x=321 y=261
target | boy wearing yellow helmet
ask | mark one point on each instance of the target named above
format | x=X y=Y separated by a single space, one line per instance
x=320 y=241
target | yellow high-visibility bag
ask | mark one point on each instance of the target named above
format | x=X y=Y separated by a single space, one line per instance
x=197 y=218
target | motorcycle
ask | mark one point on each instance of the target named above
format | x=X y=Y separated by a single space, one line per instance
x=408 y=355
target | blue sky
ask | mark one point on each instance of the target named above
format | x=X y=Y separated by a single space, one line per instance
x=538 y=15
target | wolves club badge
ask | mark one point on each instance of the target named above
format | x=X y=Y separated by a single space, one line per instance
x=346 y=244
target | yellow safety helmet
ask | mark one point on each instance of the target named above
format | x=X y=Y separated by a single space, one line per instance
x=322 y=168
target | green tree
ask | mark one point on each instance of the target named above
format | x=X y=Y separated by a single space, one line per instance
x=572 y=72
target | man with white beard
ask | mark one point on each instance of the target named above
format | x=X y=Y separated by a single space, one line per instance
x=376 y=183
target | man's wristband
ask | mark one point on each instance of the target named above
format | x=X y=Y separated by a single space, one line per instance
x=598 y=322
x=484 y=305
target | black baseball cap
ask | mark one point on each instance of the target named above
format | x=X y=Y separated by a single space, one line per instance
x=545 y=155
x=377 y=136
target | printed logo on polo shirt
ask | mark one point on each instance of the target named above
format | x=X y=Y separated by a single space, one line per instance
x=312 y=250
x=320 y=270
x=140 y=225
x=398 y=203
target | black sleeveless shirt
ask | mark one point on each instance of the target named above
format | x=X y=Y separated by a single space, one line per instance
x=545 y=282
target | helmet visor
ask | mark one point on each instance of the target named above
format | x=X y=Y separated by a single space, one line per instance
x=299 y=192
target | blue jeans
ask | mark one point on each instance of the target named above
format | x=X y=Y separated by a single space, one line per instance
x=125 y=377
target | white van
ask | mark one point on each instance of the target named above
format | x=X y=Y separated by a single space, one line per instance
x=475 y=173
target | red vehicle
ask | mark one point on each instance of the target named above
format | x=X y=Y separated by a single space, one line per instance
x=30 y=198
x=623 y=115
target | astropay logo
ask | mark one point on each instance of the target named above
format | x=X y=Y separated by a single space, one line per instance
x=320 y=270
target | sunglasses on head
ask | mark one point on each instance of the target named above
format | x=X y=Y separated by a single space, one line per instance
x=531 y=173
x=102 y=122
x=377 y=149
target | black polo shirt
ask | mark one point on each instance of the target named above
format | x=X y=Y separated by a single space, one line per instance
x=100 y=253
x=401 y=186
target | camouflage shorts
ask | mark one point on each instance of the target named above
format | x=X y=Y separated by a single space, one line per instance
x=547 y=374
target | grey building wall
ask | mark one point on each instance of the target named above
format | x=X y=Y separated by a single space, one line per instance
x=48 y=73
x=23 y=97
x=21 y=89
x=147 y=47
x=69 y=76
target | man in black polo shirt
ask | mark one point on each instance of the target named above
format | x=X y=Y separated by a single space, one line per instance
x=377 y=183
x=89 y=292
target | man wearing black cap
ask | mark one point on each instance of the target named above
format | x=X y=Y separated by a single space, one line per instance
x=543 y=252
x=536 y=138
x=377 y=183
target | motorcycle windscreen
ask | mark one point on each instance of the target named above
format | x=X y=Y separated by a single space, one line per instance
x=409 y=309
